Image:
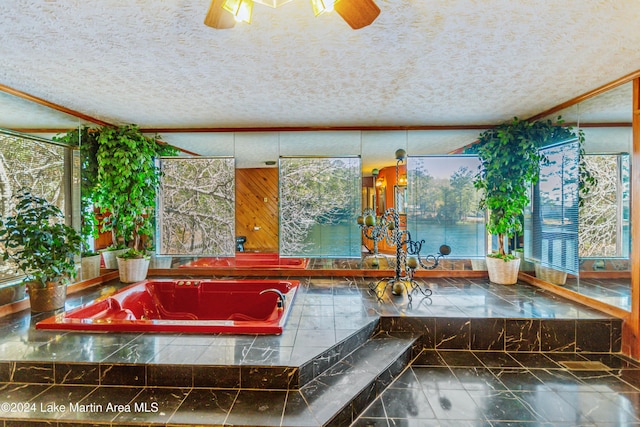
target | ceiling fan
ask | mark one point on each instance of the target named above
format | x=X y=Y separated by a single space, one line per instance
x=223 y=14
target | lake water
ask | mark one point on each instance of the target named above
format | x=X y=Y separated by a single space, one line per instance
x=343 y=240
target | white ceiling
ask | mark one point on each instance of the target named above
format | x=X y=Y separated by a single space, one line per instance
x=427 y=62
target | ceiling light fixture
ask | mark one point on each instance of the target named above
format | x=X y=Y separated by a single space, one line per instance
x=356 y=13
x=218 y=17
x=240 y=9
x=321 y=6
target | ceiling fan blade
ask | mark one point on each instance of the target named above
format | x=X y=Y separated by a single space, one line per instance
x=219 y=18
x=357 y=13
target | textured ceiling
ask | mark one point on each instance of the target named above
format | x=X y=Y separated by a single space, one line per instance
x=446 y=62
x=422 y=62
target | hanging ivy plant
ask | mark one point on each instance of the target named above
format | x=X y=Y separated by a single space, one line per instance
x=127 y=182
x=510 y=161
x=87 y=140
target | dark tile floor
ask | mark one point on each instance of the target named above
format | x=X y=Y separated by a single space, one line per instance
x=441 y=387
x=458 y=388
x=615 y=292
x=324 y=312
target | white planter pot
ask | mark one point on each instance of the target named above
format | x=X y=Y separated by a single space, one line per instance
x=109 y=258
x=133 y=270
x=503 y=272
x=90 y=267
x=551 y=275
x=159 y=261
x=478 y=264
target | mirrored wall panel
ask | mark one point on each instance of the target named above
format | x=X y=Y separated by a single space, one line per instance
x=551 y=226
x=442 y=204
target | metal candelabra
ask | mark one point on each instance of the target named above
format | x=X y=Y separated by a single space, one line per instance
x=408 y=258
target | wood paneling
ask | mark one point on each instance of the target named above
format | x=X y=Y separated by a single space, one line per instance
x=631 y=327
x=257 y=208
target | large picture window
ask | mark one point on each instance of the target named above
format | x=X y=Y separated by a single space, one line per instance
x=442 y=205
x=35 y=164
x=320 y=198
x=196 y=209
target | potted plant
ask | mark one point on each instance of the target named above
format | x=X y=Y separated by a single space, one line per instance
x=43 y=247
x=510 y=163
x=133 y=265
x=126 y=188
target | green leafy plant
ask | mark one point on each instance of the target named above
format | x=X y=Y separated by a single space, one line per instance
x=127 y=182
x=133 y=254
x=510 y=163
x=87 y=140
x=38 y=242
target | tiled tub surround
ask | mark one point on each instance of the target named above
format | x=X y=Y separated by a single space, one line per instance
x=301 y=377
x=247 y=306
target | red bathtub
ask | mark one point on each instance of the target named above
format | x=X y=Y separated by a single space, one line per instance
x=192 y=306
x=250 y=260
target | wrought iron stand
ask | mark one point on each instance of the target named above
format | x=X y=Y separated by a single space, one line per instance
x=387 y=227
x=408 y=256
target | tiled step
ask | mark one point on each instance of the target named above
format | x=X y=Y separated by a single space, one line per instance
x=341 y=393
x=184 y=375
x=333 y=398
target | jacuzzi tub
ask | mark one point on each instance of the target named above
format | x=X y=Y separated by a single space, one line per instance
x=185 y=305
x=249 y=260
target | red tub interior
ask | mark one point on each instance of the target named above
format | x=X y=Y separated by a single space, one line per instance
x=196 y=306
x=250 y=260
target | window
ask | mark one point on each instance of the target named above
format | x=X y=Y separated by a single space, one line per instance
x=196 y=210
x=320 y=199
x=443 y=204
x=604 y=215
x=36 y=164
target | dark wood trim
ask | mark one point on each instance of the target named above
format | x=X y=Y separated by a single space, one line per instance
x=585 y=96
x=605 y=275
x=313 y=128
x=631 y=328
x=28 y=97
x=160 y=131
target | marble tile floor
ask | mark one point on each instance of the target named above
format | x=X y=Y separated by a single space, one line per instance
x=325 y=312
x=440 y=388
x=495 y=389
x=615 y=292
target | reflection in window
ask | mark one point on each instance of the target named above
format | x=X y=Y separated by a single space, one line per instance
x=319 y=202
x=604 y=216
x=551 y=229
x=196 y=212
x=34 y=164
x=443 y=204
